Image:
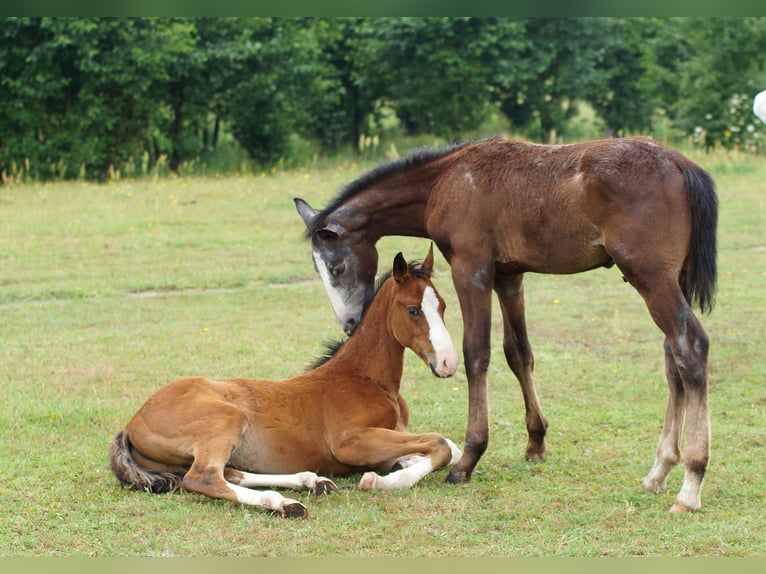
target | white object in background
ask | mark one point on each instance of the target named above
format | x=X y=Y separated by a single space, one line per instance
x=759 y=106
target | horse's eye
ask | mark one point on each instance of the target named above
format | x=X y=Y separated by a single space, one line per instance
x=413 y=311
x=339 y=270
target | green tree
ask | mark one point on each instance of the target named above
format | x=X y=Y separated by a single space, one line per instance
x=275 y=73
x=561 y=59
x=619 y=94
x=434 y=72
x=84 y=95
x=717 y=85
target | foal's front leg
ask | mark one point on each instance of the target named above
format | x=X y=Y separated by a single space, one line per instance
x=378 y=448
x=418 y=468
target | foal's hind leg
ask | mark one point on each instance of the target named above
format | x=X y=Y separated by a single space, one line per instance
x=668 y=453
x=687 y=350
x=207 y=477
x=518 y=353
x=300 y=481
x=217 y=440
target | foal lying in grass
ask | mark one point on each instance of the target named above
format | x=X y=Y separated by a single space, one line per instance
x=222 y=438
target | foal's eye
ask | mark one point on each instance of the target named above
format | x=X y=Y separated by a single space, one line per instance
x=413 y=311
x=339 y=270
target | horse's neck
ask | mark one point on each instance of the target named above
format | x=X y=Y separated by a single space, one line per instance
x=394 y=206
x=372 y=350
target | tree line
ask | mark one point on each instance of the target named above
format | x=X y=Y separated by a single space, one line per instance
x=80 y=97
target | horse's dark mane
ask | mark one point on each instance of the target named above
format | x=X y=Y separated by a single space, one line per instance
x=332 y=347
x=414 y=158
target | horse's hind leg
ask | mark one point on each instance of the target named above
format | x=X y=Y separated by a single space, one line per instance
x=686 y=368
x=206 y=477
x=518 y=354
x=668 y=453
x=215 y=443
x=300 y=481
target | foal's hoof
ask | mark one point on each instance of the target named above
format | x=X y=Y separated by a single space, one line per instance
x=368 y=481
x=653 y=486
x=456 y=476
x=294 y=509
x=324 y=486
x=535 y=455
x=680 y=508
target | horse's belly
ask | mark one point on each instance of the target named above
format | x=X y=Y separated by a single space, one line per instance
x=563 y=257
x=284 y=451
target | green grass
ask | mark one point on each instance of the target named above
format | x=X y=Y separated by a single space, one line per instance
x=107 y=291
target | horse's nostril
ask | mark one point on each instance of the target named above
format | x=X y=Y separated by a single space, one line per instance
x=350 y=326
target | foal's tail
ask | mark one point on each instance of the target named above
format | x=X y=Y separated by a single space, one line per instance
x=128 y=470
x=699 y=274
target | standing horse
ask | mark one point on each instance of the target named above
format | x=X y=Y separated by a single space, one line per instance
x=344 y=416
x=500 y=208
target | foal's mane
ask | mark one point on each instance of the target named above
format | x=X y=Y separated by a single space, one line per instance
x=332 y=347
x=414 y=158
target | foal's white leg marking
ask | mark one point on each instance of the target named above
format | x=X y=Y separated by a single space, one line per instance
x=409 y=460
x=406 y=477
x=300 y=481
x=689 y=496
x=268 y=499
x=446 y=356
x=656 y=480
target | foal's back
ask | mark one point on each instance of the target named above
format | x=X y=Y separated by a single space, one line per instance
x=555 y=208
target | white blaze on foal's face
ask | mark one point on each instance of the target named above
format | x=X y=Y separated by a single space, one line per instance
x=347 y=304
x=446 y=356
x=336 y=297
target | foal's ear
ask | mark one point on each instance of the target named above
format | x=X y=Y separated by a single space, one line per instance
x=400 y=267
x=330 y=231
x=428 y=262
x=304 y=210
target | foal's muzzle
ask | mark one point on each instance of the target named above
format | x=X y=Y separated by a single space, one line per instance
x=444 y=366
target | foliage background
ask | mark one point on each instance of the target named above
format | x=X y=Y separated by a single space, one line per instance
x=99 y=98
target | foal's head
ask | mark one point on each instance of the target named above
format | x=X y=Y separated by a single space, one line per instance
x=416 y=315
x=346 y=262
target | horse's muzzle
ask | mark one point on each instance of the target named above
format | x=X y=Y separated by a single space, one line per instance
x=444 y=366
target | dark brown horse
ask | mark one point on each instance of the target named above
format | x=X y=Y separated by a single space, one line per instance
x=344 y=416
x=498 y=209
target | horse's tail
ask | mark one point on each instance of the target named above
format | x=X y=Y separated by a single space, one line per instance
x=130 y=472
x=699 y=274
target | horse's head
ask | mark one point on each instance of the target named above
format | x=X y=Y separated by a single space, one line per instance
x=346 y=262
x=417 y=315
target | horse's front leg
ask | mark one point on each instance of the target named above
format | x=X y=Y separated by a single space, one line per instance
x=474 y=290
x=518 y=354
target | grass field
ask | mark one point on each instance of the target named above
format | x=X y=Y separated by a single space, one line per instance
x=107 y=291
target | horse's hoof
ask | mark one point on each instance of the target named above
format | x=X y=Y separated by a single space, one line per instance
x=294 y=509
x=653 y=486
x=680 y=508
x=368 y=481
x=457 y=476
x=535 y=455
x=324 y=486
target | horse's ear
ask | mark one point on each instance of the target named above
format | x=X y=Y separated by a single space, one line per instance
x=400 y=267
x=330 y=231
x=428 y=262
x=304 y=210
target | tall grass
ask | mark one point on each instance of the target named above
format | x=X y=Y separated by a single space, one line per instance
x=107 y=291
